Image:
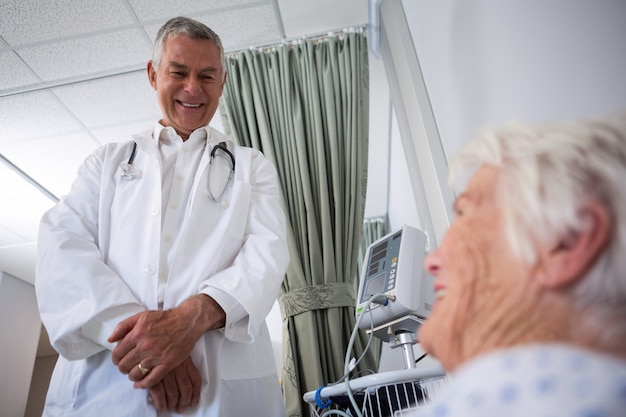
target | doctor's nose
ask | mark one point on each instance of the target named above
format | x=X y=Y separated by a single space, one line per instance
x=192 y=86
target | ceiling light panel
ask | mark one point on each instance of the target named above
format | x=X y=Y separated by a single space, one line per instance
x=9 y=237
x=52 y=161
x=22 y=205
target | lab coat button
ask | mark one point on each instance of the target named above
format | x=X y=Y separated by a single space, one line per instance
x=155 y=212
x=149 y=269
x=168 y=239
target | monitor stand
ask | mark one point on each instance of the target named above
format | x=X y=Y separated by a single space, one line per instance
x=401 y=332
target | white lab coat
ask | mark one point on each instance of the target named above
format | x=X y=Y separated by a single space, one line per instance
x=98 y=258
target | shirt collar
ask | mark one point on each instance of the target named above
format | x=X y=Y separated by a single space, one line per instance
x=168 y=135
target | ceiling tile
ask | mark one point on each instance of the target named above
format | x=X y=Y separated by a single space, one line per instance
x=146 y=10
x=31 y=115
x=255 y=26
x=13 y=72
x=298 y=21
x=53 y=161
x=90 y=55
x=34 y=20
x=111 y=100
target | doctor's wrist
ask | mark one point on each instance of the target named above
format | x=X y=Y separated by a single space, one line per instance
x=210 y=316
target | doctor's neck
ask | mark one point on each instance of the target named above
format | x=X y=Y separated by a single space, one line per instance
x=183 y=133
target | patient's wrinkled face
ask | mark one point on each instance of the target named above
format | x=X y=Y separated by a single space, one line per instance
x=477 y=280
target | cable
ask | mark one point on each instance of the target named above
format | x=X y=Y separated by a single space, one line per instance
x=421 y=357
x=367 y=346
x=379 y=298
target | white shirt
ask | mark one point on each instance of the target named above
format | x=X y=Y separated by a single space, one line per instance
x=114 y=247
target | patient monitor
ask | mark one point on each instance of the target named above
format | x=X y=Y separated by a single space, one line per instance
x=393 y=268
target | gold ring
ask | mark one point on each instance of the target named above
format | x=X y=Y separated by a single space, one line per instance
x=143 y=370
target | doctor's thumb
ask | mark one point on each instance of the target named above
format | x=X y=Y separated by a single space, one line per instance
x=122 y=329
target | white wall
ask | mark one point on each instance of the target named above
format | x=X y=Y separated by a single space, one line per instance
x=20 y=327
x=491 y=61
x=377 y=200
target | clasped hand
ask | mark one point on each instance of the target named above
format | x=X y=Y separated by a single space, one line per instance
x=160 y=342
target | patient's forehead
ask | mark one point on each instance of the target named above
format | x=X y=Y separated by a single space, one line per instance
x=481 y=186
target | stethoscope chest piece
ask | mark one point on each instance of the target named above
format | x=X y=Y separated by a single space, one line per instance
x=128 y=170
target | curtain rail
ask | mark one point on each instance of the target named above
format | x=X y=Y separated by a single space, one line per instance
x=295 y=39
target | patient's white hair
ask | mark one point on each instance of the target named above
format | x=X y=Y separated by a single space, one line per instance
x=546 y=172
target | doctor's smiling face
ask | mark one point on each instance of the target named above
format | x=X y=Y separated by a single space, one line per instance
x=189 y=82
x=482 y=289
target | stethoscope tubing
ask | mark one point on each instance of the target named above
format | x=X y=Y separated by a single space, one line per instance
x=128 y=171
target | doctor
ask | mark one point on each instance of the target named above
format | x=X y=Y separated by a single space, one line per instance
x=156 y=272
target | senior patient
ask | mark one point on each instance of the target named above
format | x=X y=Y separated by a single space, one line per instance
x=530 y=318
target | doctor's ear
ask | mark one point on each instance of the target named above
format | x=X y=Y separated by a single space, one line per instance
x=575 y=253
x=151 y=74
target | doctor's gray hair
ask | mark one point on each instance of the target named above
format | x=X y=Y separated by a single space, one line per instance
x=547 y=172
x=186 y=27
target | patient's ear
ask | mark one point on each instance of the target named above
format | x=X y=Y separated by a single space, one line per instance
x=569 y=260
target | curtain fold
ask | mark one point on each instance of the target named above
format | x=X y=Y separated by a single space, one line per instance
x=305 y=106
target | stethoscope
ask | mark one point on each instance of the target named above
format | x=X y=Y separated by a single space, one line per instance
x=231 y=159
x=128 y=170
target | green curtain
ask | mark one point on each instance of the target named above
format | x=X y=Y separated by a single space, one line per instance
x=305 y=105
